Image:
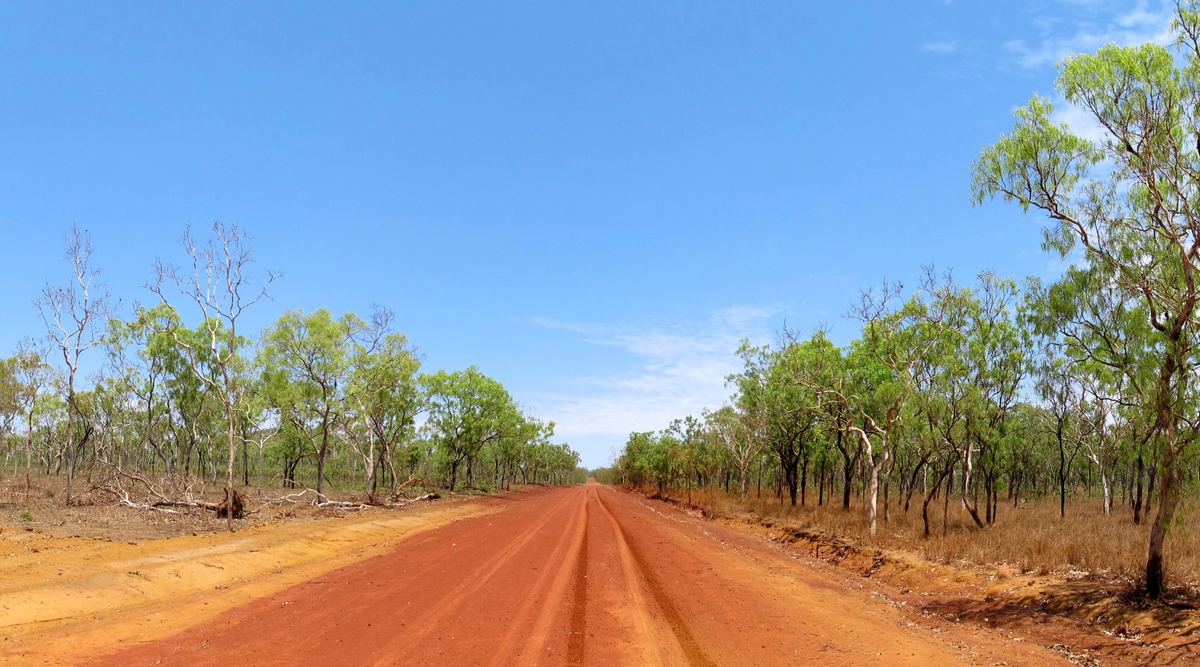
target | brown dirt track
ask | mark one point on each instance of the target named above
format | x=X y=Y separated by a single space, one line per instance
x=578 y=575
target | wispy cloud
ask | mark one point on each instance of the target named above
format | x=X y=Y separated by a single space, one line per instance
x=678 y=370
x=940 y=47
x=1080 y=120
x=1139 y=25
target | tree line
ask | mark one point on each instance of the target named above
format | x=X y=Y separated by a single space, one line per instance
x=312 y=402
x=996 y=391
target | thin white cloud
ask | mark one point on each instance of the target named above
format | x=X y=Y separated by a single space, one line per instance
x=577 y=327
x=1079 y=120
x=940 y=47
x=1137 y=26
x=679 y=370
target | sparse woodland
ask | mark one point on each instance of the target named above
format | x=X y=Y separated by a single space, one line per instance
x=991 y=394
x=178 y=397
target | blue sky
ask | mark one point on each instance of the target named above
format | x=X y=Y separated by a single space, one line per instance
x=591 y=202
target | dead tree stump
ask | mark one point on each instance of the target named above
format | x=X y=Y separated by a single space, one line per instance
x=239 y=506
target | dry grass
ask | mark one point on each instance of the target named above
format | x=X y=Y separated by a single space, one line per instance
x=1032 y=538
x=97 y=514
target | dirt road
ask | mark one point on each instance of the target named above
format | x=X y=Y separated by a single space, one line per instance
x=578 y=575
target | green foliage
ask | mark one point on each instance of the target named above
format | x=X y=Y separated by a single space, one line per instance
x=1126 y=310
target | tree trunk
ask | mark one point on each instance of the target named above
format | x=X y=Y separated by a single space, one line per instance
x=946 y=502
x=821 y=483
x=1104 y=485
x=29 y=459
x=1168 y=501
x=1062 y=473
x=70 y=451
x=968 y=473
x=229 y=473
x=803 y=481
x=930 y=494
x=1137 y=503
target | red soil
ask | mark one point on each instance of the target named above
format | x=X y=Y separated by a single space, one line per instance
x=580 y=575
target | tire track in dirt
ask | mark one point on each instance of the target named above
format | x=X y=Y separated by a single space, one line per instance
x=455 y=598
x=692 y=652
x=556 y=597
x=633 y=589
x=578 y=624
x=548 y=592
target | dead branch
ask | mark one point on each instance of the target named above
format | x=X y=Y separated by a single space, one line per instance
x=158 y=499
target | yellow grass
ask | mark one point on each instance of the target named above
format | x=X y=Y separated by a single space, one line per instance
x=1031 y=538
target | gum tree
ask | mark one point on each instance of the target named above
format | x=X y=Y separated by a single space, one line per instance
x=384 y=388
x=883 y=370
x=74 y=314
x=1126 y=208
x=466 y=411
x=219 y=285
x=738 y=439
x=778 y=407
x=34 y=375
x=312 y=356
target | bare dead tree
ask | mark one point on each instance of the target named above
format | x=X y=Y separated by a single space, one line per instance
x=219 y=286
x=75 y=315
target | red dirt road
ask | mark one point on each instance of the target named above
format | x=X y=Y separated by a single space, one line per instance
x=579 y=575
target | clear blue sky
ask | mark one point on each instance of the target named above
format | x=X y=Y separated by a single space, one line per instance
x=591 y=202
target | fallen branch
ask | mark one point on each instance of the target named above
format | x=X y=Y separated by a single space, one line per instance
x=407 y=501
x=411 y=480
x=158 y=500
x=123 y=499
x=195 y=504
x=343 y=505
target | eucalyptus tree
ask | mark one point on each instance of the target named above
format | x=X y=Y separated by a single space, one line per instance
x=934 y=425
x=692 y=453
x=466 y=411
x=647 y=459
x=147 y=356
x=542 y=459
x=994 y=352
x=385 y=390
x=34 y=376
x=874 y=391
x=509 y=452
x=115 y=424
x=738 y=439
x=308 y=359
x=143 y=372
x=10 y=396
x=260 y=423
x=634 y=460
x=562 y=463
x=1105 y=428
x=218 y=284
x=518 y=445
x=1125 y=203
x=1089 y=320
x=74 y=315
x=1024 y=450
x=781 y=408
x=1060 y=387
